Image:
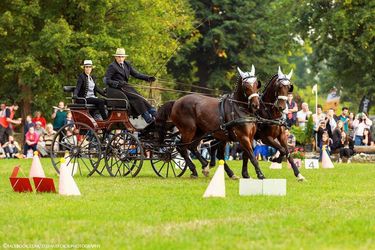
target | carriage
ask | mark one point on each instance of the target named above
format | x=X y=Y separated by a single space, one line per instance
x=117 y=146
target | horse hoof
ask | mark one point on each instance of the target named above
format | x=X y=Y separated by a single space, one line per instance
x=245 y=176
x=206 y=171
x=261 y=177
x=234 y=177
x=301 y=178
x=193 y=176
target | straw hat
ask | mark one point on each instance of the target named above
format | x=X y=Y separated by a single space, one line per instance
x=120 y=52
x=87 y=63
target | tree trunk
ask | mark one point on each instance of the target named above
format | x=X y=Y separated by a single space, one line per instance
x=25 y=103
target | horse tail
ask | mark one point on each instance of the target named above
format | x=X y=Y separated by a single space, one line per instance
x=162 y=117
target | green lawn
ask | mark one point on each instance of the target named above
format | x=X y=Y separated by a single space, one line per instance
x=335 y=209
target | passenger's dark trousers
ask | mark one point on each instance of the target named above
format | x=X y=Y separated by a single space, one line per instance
x=100 y=103
x=346 y=152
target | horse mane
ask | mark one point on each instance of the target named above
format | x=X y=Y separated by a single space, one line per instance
x=269 y=82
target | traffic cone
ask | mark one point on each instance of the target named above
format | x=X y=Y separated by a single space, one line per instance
x=72 y=167
x=67 y=185
x=216 y=188
x=36 y=169
x=326 y=160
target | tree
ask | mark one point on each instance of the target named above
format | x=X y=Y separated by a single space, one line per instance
x=235 y=33
x=44 y=42
x=342 y=36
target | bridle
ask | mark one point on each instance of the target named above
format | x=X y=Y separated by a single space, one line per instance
x=251 y=80
x=275 y=105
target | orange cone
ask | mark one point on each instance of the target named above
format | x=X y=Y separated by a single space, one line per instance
x=216 y=188
x=326 y=160
x=67 y=185
x=36 y=169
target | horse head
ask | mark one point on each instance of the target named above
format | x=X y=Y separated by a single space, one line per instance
x=276 y=92
x=249 y=87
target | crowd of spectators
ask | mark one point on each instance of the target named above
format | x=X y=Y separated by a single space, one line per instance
x=38 y=132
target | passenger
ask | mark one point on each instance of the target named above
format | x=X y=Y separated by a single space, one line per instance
x=87 y=88
x=117 y=76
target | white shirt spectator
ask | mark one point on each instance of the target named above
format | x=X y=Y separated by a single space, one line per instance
x=303 y=115
x=359 y=127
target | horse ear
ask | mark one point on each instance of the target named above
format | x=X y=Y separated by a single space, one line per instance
x=290 y=75
x=252 y=72
x=242 y=74
x=259 y=84
x=280 y=73
x=291 y=88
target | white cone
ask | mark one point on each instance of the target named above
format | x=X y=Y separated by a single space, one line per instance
x=67 y=185
x=326 y=161
x=72 y=167
x=216 y=188
x=36 y=169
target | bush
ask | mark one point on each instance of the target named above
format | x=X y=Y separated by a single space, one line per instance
x=304 y=135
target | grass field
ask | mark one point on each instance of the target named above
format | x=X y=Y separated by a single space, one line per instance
x=335 y=209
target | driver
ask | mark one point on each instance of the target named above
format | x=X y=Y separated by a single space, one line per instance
x=117 y=76
x=86 y=88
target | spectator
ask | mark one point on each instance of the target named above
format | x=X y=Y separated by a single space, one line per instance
x=31 y=142
x=359 y=124
x=69 y=119
x=332 y=94
x=336 y=135
x=39 y=129
x=2 y=109
x=291 y=140
x=322 y=129
x=344 y=117
x=331 y=121
x=346 y=147
x=28 y=123
x=351 y=119
x=367 y=138
x=292 y=111
x=39 y=118
x=318 y=117
x=11 y=148
x=325 y=144
x=59 y=116
x=2 y=152
x=303 y=115
x=6 y=122
x=48 y=136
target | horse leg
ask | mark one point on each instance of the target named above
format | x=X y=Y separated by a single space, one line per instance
x=213 y=149
x=270 y=141
x=245 y=160
x=220 y=156
x=248 y=152
x=184 y=153
x=297 y=174
x=203 y=161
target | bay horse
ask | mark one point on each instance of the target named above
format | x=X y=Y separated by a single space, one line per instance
x=273 y=103
x=197 y=116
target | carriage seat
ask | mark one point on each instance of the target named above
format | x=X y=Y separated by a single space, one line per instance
x=116 y=99
x=75 y=105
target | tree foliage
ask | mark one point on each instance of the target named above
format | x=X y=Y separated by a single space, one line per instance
x=43 y=43
x=342 y=36
x=235 y=33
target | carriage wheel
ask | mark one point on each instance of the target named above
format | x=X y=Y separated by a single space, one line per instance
x=79 y=145
x=124 y=155
x=104 y=137
x=167 y=162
